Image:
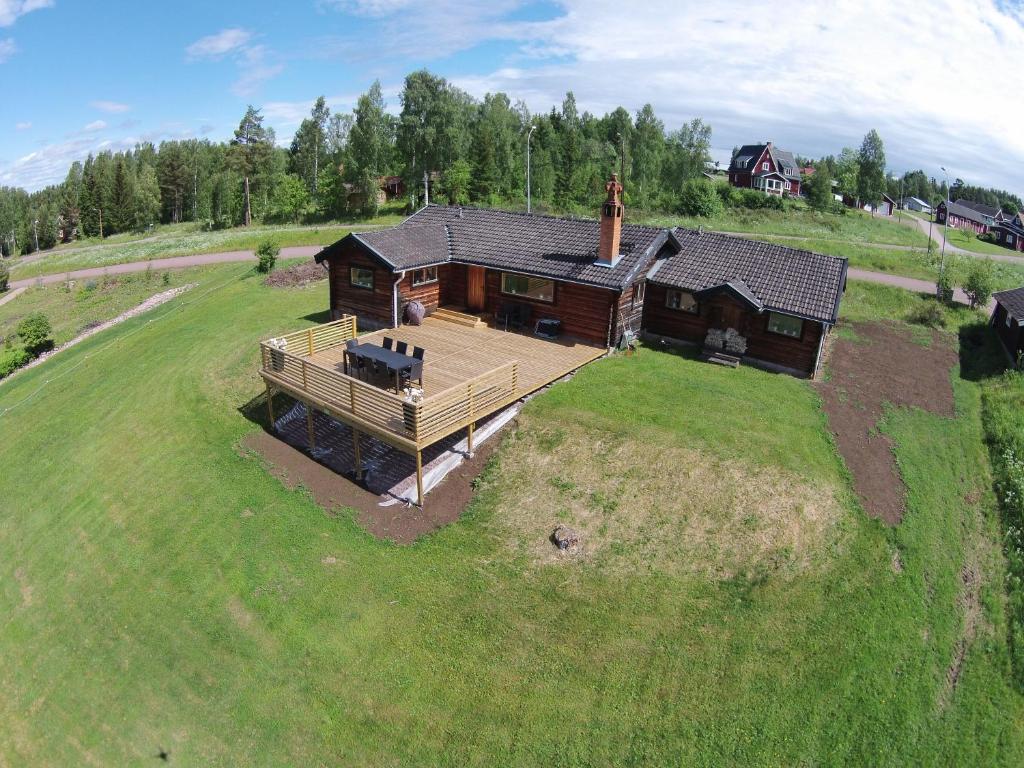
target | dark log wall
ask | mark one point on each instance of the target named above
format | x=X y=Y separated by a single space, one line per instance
x=584 y=311
x=1012 y=337
x=374 y=306
x=797 y=354
x=453 y=286
x=428 y=294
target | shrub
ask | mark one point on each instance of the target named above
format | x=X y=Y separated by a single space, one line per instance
x=267 y=252
x=980 y=281
x=12 y=359
x=5 y=277
x=34 y=331
x=728 y=193
x=930 y=314
x=699 y=198
x=944 y=286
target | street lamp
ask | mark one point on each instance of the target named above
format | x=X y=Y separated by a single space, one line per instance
x=528 y=137
x=945 y=232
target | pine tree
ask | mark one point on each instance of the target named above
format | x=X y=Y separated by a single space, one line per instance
x=252 y=146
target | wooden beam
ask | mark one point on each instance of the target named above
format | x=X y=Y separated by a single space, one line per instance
x=419 y=478
x=359 y=457
x=469 y=440
x=270 y=405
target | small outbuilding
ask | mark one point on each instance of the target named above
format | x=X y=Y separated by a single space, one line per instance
x=1007 y=320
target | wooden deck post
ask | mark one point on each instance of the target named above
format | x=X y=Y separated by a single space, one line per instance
x=359 y=458
x=309 y=428
x=469 y=440
x=419 y=478
x=270 y=405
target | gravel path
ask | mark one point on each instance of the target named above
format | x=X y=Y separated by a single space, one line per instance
x=174 y=262
x=11 y=295
x=908 y=283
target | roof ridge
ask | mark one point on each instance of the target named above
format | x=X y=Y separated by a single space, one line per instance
x=531 y=214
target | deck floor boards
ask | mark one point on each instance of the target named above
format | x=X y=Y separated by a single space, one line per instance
x=457 y=353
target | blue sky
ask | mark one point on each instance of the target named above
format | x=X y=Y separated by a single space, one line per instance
x=932 y=77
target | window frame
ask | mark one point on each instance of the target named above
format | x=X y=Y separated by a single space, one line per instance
x=526 y=296
x=692 y=310
x=416 y=283
x=765 y=166
x=639 y=293
x=1009 y=319
x=352 y=281
x=768 y=325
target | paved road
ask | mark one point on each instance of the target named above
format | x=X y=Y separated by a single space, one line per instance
x=908 y=283
x=174 y=262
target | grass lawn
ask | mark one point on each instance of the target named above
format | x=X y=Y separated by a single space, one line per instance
x=181 y=240
x=854 y=226
x=970 y=242
x=733 y=606
x=86 y=303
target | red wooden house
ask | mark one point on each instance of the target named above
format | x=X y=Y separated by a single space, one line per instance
x=594 y=278
x=1007 y=320
x=765 y=167
x=963 y=216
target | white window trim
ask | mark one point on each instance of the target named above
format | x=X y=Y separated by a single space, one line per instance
x=693 y=310
x=764 y=166
x=416 y=284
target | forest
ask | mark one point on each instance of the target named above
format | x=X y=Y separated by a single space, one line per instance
x=470 y=151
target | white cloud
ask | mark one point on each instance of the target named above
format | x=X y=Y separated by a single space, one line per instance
x=113 y=107
x=930 y=79
x=7 y=49
x=256 y=63
x=23 y=126
x=10 y=10
x=217 y=46
x=95 y=125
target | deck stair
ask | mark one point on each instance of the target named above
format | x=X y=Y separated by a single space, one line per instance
x=460 y=318
x=720 y=358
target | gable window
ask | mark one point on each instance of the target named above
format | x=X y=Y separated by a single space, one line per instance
x=424 y=276
x=764 y=166
x=536 y=288
x=785 y=325
x=683 y=301
x=360 y=277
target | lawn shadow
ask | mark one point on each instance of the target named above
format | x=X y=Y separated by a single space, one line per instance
x=981 y=355
x=318 y=317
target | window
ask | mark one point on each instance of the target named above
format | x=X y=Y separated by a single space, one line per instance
x=425 y=275
x=638 y=294
x=1009 y=321
x=788 y=186
x=528 y=287
x=764 y=166
x=1009 y=239
x=682 y=301
x=786 y=325
x=361 y=277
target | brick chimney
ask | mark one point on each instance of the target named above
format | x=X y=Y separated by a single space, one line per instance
x=611 y=225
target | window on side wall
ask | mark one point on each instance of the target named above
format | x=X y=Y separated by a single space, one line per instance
x=638 y=294
x=764 y=166
x=682 y=300
x=360 y=277
x=1009 y=321
x=785 y=325
x=536 y=288
x=424 y=276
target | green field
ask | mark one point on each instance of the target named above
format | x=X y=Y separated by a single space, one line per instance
x=181 y=240
x=969 y=242
x=734 y=606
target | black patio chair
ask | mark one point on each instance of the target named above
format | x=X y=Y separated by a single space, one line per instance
x=418 y=352
x=415 y=371
x=389 y=343
x=352 y=359
x=401 y=347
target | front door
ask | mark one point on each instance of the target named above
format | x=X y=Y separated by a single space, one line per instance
x=476 y=289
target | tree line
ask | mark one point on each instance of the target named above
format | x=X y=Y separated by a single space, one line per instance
x=469 y=150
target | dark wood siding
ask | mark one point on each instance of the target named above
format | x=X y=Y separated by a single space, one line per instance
x=762 y=344
x=1012 y=337
x=428 y=294
x=453 y=285
x=374 y=306
x=585 y=312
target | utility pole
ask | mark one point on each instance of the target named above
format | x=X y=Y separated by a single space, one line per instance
x=528 y=137
x=426 y=189
x=35 y=232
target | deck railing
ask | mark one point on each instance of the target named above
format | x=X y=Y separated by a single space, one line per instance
x=400 y=421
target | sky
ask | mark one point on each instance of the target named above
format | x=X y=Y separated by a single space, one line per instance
x=936 y=79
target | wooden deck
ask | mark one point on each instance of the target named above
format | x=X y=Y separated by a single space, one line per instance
x=469 y=372
x=456 y=353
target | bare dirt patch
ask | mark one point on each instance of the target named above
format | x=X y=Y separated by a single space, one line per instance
x=645 y=505
x=296 y=275
x=884 y=364
x=399 y=523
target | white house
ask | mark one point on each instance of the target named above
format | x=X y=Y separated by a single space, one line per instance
x=917 y=204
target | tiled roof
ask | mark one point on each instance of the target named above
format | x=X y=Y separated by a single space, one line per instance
x=956 y=209
x=1013 y=302
x=783 y=279
x=985 y=210
x=547 y=246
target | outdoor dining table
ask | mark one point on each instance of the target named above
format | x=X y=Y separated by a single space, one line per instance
x=393 y=361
